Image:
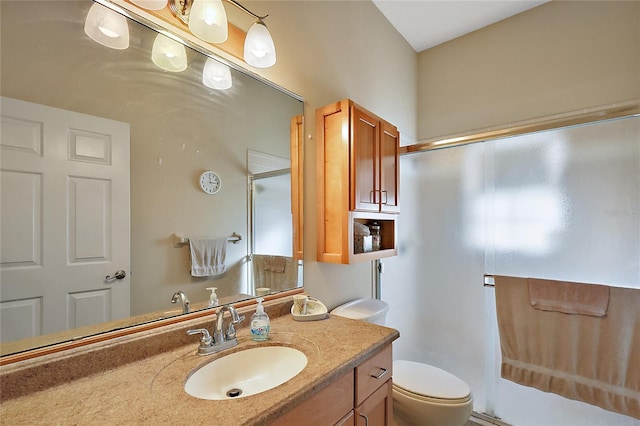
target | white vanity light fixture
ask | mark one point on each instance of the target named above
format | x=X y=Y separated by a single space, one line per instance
x=168 y=54
x=150 y=4
x=107 y=27
x=216 y=75
x=207 y=20
x=259 y=49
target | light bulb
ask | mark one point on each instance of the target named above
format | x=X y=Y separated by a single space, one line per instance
x=208 y=20
x=168 y=54
x=259 y=49
x=216 y=75
x=107 y=27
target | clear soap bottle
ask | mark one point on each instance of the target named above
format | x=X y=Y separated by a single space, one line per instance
x=375 y=234
x=260 y=323
x=213 y=298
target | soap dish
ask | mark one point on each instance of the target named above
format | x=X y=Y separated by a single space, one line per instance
x=316 y=310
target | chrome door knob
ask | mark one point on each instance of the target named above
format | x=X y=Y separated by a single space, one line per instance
x=117 y=276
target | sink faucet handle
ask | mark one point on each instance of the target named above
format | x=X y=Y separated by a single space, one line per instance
x=239 y=320
x=205 y=340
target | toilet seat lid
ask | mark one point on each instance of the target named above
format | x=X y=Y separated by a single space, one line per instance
x=427 y=380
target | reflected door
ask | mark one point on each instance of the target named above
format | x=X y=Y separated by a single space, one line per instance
x=65 y=222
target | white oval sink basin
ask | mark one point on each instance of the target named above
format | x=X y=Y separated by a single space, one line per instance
x=246 y=372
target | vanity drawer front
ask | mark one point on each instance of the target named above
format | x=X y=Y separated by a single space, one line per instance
x=327 y=407
x=373 y=373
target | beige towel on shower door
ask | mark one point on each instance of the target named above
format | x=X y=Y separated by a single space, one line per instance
x=582 y=357
x=568 y=297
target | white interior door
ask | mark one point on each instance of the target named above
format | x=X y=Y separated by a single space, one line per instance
x=64 y=220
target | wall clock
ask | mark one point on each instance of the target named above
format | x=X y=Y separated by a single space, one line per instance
x=210 y=182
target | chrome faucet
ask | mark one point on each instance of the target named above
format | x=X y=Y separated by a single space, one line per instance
x=179 y=295
x=221 y=339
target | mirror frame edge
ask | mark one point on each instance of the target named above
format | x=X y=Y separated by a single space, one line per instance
x=129 y=331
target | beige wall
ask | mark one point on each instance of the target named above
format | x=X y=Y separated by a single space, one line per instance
x=327 y=51
x=559 y=57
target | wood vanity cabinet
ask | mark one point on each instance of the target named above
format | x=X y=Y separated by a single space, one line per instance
x=377 y=409
x=357 y=179
x=361 y=397
x=373 y=391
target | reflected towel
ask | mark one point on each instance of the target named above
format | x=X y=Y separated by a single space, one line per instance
x=581 y=357
x=275 y=264
x=208 y=256
x=568 y=297
x=263 y=276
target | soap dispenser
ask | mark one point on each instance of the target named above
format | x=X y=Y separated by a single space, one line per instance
x=260 y=323
x=213 y=298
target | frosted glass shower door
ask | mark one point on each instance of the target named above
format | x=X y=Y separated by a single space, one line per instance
x=566 y=206
x=561 y=204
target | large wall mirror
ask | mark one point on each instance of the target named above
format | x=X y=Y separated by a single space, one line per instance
x=102 y=154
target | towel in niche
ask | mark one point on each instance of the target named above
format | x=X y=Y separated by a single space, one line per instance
x=569 y=297
x=208 y=256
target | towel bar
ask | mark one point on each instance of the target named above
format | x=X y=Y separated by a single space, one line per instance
x=180 y=240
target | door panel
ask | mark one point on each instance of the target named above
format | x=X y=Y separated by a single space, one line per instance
x=86 y=307
x=65 y=219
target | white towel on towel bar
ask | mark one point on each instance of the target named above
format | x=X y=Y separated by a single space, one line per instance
x=208 y=256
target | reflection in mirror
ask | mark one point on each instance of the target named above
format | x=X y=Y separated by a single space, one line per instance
x=102 y=152
x=273 y=265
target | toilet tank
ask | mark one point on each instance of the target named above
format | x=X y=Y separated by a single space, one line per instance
x=369 y=310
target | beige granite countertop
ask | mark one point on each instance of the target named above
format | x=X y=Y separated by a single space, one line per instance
x=150 y=391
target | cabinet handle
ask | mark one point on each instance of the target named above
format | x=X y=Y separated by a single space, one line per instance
x=385 y=196
x=372 y=197
x=383 y=371
x=366 y=419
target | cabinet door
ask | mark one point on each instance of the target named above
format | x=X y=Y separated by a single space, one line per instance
x=389 y=168
x=329 y=406
x=365 y=165
x=377 y=410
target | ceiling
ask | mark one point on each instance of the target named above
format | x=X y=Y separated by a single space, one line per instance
x=428 y=23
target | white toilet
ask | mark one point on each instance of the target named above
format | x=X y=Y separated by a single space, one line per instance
x=422 y=394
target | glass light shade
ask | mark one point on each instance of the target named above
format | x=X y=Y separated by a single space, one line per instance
x=216 y=75
x=259 y=50
x=208 y=21
x=107 y=27
x=150 y=4
x=168 y=54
